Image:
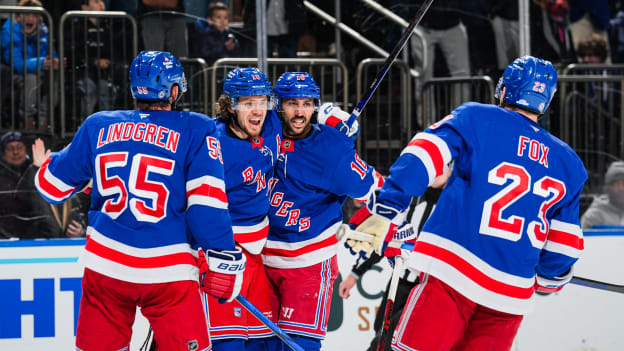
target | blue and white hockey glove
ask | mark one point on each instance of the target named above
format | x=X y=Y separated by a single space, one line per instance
x=333 y=116
x=221 y=273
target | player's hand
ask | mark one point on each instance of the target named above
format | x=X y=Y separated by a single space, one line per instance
x=377 y=223
x=333 y=116
x=346 y=285
x=550 y=285
x=221 y=273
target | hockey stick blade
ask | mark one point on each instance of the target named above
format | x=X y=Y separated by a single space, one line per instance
x=269 y=323
x=348 y=233
x=389 y=60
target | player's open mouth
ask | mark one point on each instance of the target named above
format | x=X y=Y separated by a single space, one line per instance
x=298 y=122
x=254 y=123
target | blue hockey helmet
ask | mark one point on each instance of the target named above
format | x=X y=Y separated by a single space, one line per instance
x=530 y=83
x=153 y=74
x=246 y=81
x=296 y=85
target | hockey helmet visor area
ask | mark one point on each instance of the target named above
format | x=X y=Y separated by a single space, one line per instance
x=530 y=83
x=247 y=81
x=153 y=74
x=297 y=85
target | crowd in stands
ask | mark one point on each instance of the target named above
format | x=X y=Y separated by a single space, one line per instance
x=458 y=35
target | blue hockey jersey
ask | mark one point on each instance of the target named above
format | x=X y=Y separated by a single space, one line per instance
x=154 y=175
x=314 y=176
x=509 y=215
x=249 y=166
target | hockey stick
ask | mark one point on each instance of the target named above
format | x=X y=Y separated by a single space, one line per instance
x=269 y=323
x=590 y=283
x=345 y=233
x=392 y=291
x=389 y=60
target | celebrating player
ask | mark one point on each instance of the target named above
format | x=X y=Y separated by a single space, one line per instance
x=249 y=143
x=317 y=169
x=156 y=173
x=506 y=225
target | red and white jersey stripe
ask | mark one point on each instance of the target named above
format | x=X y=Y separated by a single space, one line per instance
x=207 y=191
x=252 y=237
x=139 y=265
x=432 y=151
x=305 y=253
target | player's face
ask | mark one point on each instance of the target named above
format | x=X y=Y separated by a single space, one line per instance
x=220 y=20
x=297 y=114
x=15 y=153
x=250 y=113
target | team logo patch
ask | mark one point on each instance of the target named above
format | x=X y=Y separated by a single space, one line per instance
x=238 y=312
x=192 y=345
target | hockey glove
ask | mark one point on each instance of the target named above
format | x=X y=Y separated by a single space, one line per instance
x=221 y=273
x=379 y=223
x=550 y=285
x=333 y=116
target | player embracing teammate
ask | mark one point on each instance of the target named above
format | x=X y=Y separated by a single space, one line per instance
x=249 y=138
x=317 y=168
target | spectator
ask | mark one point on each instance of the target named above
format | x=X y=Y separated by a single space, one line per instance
x=608 y=208
x=213 y=39
x=442 y=26
x=504 y=17
x=89 y=56
x=28 y=26
x=284 y=25
x=550 y=32
x=587 y=17
x=28 y=216
x=161 y=29
x=593 y=49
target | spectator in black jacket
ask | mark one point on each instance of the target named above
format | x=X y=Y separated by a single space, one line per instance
x=88 y=54
x=24 y=213
x=213 y=37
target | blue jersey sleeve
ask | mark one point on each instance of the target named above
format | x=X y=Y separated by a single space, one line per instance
x=354 y=177
x=206 y=197
x=423 y=159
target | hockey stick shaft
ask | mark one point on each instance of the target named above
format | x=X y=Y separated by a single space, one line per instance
x=347 y=233
x=389 y=60
x=392 y=291
x=269 y=323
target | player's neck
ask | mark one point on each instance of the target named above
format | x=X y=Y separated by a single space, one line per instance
x=532 y=116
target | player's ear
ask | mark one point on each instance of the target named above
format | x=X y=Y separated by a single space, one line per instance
x=174 y=92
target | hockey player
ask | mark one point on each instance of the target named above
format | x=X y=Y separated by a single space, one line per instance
x=317 y=168
x=156 y=173
x=506 y=225
x=249 y=140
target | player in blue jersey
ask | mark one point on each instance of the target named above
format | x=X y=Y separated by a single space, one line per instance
x=249 y=140
x=157 y=192
x=317 y=168
x=506 y=225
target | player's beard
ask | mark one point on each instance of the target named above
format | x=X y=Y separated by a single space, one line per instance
x=298 y=132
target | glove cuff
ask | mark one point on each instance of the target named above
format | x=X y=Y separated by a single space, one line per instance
x=393 y=215
x=226 y=261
